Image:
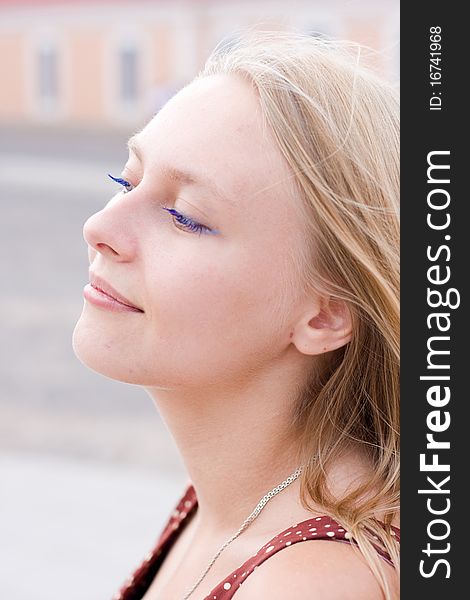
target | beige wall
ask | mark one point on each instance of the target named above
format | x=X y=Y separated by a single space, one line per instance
x=84 y=76
x=162 y=57
x=171 y=39
x=12 y=81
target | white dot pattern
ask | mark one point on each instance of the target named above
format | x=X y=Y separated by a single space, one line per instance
x=323 y=527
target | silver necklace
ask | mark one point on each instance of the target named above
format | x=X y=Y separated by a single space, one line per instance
x=259 y=507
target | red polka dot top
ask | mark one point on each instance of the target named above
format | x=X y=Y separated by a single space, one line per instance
x=315 y=528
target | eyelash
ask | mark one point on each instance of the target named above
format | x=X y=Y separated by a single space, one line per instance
x=188 y=223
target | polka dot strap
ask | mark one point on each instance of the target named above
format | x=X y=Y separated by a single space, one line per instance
x=138 y=583
x=320 y=528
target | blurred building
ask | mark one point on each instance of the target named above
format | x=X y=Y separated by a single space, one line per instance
x=115 y=62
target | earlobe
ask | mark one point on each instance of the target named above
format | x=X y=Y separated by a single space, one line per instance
x=329 y=329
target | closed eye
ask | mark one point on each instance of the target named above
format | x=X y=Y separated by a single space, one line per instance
x=127 y=185
x=183 y=222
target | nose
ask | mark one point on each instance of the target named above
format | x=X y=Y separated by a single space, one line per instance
x=109 y=233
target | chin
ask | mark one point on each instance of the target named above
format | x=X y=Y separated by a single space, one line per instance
x=96 y=352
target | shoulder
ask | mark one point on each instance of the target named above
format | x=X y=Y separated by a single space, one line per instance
x=324 y=569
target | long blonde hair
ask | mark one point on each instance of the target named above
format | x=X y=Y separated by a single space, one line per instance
x=337 y=125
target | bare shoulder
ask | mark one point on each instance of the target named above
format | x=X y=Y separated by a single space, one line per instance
x=320 y=569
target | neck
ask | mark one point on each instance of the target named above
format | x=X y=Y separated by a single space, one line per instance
x=236 y=443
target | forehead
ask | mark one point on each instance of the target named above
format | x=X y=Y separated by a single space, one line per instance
x=215 y=127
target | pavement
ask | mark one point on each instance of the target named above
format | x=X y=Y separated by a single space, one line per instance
x=74 y=529
x=88 y=471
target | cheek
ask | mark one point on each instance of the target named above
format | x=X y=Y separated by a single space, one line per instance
x=231 y=302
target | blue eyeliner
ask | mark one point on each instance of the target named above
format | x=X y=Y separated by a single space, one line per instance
x=190 y=223
x=121 y=181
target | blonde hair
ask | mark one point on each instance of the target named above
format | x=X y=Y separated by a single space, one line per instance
x=337 y=125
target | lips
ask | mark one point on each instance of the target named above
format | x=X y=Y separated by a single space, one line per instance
x=103 y=286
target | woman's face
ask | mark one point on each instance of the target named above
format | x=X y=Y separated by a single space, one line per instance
x=210 y=276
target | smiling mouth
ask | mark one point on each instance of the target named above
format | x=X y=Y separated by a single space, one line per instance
x=103 y=299
x=108 y=295
x=99 y=289
x=113 y=298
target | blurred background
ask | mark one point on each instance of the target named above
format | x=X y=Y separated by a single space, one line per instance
x=88 y=472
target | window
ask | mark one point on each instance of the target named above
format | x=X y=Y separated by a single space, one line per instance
x=128 y=75
x=48 y=84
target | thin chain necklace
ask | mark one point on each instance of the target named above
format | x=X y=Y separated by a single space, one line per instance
x=259 y=507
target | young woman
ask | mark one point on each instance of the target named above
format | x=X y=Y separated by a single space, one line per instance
x=247 y=276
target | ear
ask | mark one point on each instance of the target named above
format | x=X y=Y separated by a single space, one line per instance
x=328 y=328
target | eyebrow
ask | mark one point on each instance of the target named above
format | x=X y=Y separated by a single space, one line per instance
x=183 y=177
